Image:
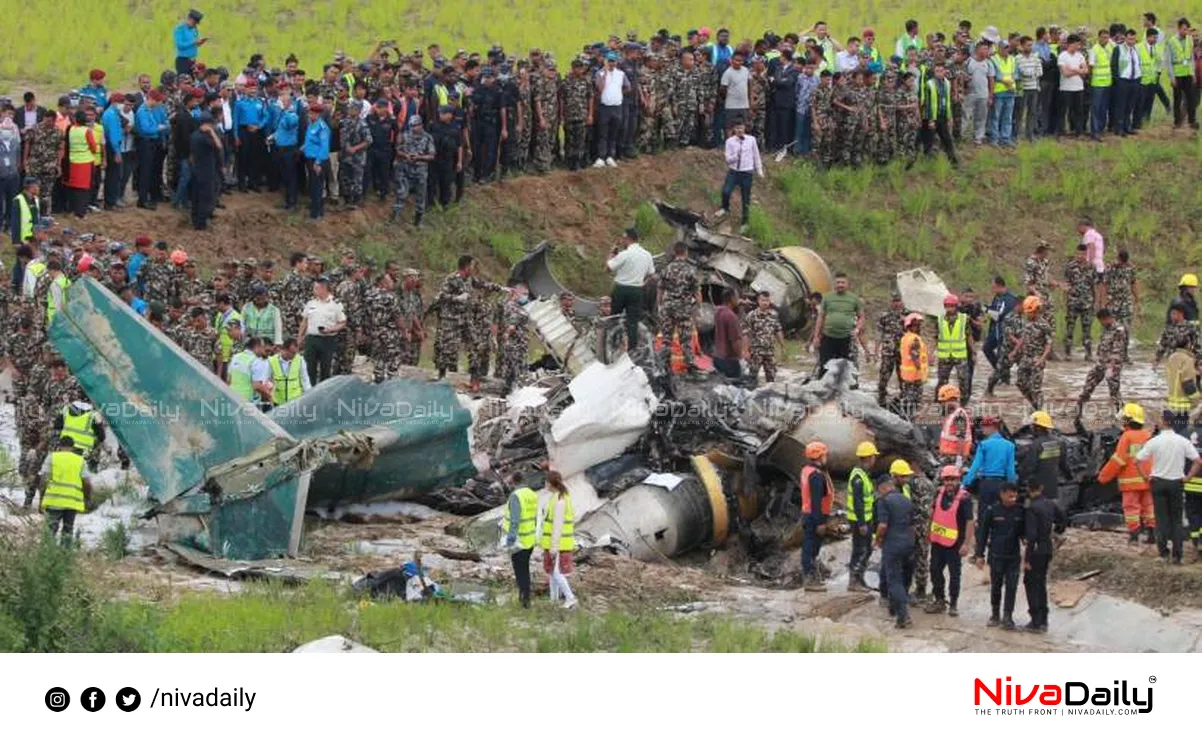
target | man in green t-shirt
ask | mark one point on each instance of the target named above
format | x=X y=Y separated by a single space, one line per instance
x=839 y=320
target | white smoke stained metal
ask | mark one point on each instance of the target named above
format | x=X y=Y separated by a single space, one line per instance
x=611 y=409
x=922 y=291
x=559 y=335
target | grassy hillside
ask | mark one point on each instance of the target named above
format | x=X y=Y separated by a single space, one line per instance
x=135 y=35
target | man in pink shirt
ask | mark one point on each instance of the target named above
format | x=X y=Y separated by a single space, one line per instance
x=742 y=159
x=1093 y=242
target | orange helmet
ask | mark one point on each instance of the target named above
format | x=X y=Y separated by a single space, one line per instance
x=178 y=257
x=1032 y=304
x=816 y=450
x=948 y=392
x=949 y=470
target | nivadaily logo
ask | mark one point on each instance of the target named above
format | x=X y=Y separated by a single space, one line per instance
x=1070 y=697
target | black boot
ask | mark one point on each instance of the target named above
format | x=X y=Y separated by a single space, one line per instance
x=1149 y=535
x=952 y=611
x=1008 y=623
x=1133 y=537
x=417 y=219
x=993 y=620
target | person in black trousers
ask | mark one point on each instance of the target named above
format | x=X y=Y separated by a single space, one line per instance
x=937 y=113
x=1044 y=516
x=322 y=322
x=1001 y=530
x=205 y=152
x=448 y=155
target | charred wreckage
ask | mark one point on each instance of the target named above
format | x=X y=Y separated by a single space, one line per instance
x=657 y=466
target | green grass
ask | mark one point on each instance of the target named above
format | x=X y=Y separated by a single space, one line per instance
x=138 y=39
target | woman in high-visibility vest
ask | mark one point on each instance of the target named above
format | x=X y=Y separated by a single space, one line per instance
x=559 y=539
x=518 y=530
x=82 y=148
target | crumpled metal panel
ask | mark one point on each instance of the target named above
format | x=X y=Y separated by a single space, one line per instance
x=174 y=417
x=559 y=335
x=534 y=271
x=922 y=291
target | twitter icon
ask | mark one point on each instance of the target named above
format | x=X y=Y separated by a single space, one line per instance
x=128 y=699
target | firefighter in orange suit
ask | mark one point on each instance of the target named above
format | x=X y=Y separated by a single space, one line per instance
x=1137 y=496
x=817 y=495
x=955 y=437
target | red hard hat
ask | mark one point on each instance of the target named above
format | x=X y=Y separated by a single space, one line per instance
x=85 y=262
x=951 y=300
x=949 y=470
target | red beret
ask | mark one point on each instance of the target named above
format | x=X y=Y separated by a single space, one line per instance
x=157 y=95
x=142 y=240
x=251 y=83
x=199 y=67
x=115 y=97
x=96 y=74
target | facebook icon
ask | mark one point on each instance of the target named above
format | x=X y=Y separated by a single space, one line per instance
x=92 y=699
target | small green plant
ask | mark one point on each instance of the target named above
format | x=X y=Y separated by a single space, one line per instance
x=114 y=542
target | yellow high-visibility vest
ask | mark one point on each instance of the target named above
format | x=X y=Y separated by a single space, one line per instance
x=567 y=537
x=77 y=146
x=64 y=489
x=953 y=340
x=1182 y=51
x=1005 y=73
x=64 y=282
x=26 y=217
x=527 y=518
x=1099 y=74
x=288 y=386
x=869 y=494
x=79 y=429
x=1149 y=64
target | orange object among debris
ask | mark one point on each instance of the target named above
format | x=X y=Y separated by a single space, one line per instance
x=705 y=363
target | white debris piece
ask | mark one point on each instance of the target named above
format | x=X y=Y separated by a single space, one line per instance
x=334 y=644
x=611 y=409
x=922 y=291
x=665 y=480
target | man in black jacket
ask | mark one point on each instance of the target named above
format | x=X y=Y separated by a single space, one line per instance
x=181 y=140
x=1001 y=530
x=1044 y=516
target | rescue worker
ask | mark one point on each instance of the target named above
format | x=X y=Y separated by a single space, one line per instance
x=289 y=375
x=559 y=539
x=1181 y=380
x=953 y=346
x=817 y=495
x=1044 y=516
x=56 y=295
x=518 y=529
x=1185 y=296
x=1137 y=496
x=895 y=538
x=860 y=500
x=79 y=422
x=916 y=577
x=992 y=465
x=914 y=366
x=1193 y=500
x=67 y=491
x=1167 y=462
x=955 y=436
x=950 y=536
x=1045 y=459
x=225 y=319
x=1032 y=351
x=1000 y=530
x=248 y=377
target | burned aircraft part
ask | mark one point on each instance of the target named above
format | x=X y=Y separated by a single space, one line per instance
x=416 y=436
x=535 y=272
x=572 y=348
x=652 y=522
x=610 y=411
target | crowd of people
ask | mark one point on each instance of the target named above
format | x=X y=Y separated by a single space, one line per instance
x=416 y=126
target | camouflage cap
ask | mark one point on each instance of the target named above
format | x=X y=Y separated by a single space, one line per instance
x=411 y=272
x=348 y=253
x=250 y=263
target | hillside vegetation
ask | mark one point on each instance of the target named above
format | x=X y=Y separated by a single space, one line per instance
x=136 y=34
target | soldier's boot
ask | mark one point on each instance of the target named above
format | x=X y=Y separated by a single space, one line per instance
x=1088 y=351
x=989 y=387
x=29 y=493
x=1008 y=623
x=993 y=620
x=935 y=606
x=1068 y=350
x=1149 y=535
x=857 y=585
x=396 y=215
x=417 y=219
x=814 y=584
x=952 y=611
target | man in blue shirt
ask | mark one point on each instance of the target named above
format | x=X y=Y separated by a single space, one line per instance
x=250 y=116
x=95 y=89
x=992 y=465
x=114 y=145
x=317 y=157
x=188 y=41
x=1000 y=308
x=284 y=138
x=150 y=124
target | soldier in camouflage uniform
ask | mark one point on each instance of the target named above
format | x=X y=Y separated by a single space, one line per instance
x=851 y=120
x=384 y=321
x=61 y=390
x=824 y=121
x=482 y=315
x=514 y=339
x=686 y=100
x=764 y=334
x=1109 y=366
x=662 y=117
x=455 y=315
x=158 y=276
x=412 y=317
x=922 y=498
x=909 y=118
x=757 y=87
x=677 y=302
x=525 y=119
x=189 y=287
x=577 y=97
x=1034 y=347
x=198 y=338
x=1011 y=331
x=1121 y=295
x=546 y=118
x=350 y=294
x=883 y=130
x=1038 y=282
x=648 y=81
x=355 y=137
x=1079 y=278
x=1177 y=330
x=46 y=149
x=243 y=286
x=889 y=330
x=414 y=153
x=294 y=290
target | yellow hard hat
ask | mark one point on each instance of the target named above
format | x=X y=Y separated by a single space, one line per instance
x=1134 y=412
x=1188 y=279
x=1042 y=419
x=900 y=467
x=948 y=392
x=866 y=449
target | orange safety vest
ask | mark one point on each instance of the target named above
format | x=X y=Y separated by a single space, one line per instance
x=806 y=500
x=944 y=528
x=1122 y=463
x=911 y=372
x=950 y=443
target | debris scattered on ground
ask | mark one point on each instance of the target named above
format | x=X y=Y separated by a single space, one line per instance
x=334 y=644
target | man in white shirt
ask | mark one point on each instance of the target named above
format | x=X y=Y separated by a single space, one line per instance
x=848 y=60
x=1073 y=70
x=735 y=89
x=742 y=159
x=611 y=86
x=322 y=319
x=1170 y=453
x=631 y=265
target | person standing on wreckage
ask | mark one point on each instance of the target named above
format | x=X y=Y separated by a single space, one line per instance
x=817 y=495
